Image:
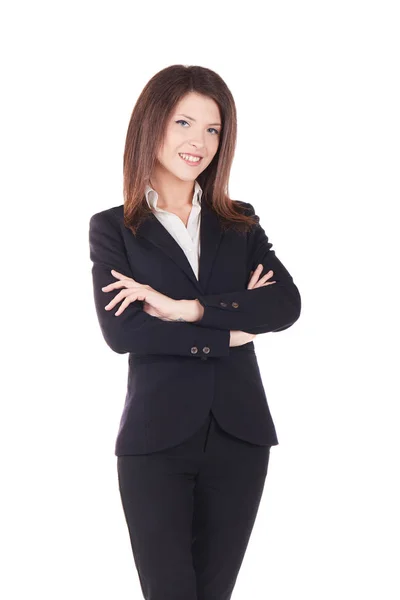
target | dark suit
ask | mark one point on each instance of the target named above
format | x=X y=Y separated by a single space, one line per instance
x=194 y=441
x=179 y=371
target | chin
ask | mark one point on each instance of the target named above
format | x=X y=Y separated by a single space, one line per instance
x=185 y=177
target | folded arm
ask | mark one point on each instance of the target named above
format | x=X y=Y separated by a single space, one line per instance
x=260 y=310
x=134 y=330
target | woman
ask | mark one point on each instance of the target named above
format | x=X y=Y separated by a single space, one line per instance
x=194 y=279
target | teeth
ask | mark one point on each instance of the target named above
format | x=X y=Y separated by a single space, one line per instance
x=190 y=158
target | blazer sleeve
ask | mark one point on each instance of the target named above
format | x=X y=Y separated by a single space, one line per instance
x=134 y=330
x=260 y=310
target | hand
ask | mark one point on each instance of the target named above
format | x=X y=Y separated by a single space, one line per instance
x=156 y=304
x=254 y=275
x=239 y=338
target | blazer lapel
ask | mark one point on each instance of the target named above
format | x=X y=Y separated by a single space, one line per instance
x=210 y=238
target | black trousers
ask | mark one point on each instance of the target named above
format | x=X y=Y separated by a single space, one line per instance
x=190 y=510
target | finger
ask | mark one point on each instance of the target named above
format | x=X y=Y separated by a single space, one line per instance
x=129 y=296
x=255 y=276
x=121 y=275
x=125 y=303
x=122 y=294
x=265 y=277
x=263 y=284
x=118 y=284
x=127 y=283
x=249 y=286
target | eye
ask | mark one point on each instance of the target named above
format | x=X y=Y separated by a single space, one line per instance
x=183 y=121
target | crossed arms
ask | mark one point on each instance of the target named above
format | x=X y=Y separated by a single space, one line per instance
x=271 y=308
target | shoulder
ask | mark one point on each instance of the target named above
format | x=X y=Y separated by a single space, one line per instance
x=111 y=216
x=246 y=207
x=248 y=210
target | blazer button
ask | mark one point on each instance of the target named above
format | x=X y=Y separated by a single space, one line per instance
x=206 y=349
x=223 y=304
x=235 y=304
x=194 y=350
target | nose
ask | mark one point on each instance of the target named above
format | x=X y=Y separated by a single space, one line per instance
x=198 y=147
x=199 y=141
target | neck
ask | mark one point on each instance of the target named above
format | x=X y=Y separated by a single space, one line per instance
x=173 y=193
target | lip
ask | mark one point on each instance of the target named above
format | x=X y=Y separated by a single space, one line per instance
x=191 y=154
x=191 y=164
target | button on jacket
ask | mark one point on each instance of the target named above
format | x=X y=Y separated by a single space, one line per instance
x=177 y=371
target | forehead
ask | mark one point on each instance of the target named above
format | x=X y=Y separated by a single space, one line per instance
x=201 y=108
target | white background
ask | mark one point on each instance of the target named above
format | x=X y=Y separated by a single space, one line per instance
x=317 y=91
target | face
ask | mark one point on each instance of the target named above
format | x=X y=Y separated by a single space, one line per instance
x=194 y=128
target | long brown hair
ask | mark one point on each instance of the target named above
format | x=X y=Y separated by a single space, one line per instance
x=146 y=130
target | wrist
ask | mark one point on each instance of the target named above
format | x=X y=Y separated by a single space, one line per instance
x=189 y=310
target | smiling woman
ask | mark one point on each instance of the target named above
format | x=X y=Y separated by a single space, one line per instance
x=192 y=158
x=196 y=117
x=194 y=279
x=190 y=142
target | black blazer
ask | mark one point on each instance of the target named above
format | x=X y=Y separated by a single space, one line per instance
x=178 y=371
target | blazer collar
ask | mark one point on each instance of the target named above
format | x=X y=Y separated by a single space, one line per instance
x=210 y=238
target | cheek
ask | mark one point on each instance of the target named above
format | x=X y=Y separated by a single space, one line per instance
x=175 y=143
x=175 y=133
x=213 y=149
x=214 y=144
x=168 y=149
x=172 y=139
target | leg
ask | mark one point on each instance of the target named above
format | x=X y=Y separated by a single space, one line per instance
x=226 y=500
x=157 y=498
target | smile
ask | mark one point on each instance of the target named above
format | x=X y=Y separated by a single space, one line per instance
x=190 y=160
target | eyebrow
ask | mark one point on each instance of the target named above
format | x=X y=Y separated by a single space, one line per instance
x=191 y=119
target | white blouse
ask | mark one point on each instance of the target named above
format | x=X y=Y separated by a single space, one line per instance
x=187 y=237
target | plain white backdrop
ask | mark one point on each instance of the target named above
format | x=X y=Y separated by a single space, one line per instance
x=316 y=86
